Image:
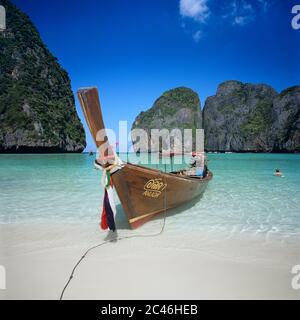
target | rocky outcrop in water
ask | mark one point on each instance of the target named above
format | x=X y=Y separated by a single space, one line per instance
x=286 y=121
x=178 y=108
x=37 y=108
x=252 y=118
x=239 y=118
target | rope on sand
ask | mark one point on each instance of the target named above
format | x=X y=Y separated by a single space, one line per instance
x=113 y=240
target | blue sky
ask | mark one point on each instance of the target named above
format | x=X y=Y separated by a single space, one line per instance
x=134 y=50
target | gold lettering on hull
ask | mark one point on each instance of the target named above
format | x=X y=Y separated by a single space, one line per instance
x=153 y=188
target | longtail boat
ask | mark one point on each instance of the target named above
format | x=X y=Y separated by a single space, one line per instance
x=143 y=192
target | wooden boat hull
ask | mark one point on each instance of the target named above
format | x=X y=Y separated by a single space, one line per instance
x=146 y=192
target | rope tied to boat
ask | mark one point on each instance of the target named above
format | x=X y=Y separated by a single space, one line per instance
x=112 y=168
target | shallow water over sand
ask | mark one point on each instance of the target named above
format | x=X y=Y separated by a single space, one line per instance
x=243 y=198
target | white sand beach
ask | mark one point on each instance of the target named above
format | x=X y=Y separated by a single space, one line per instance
x=38 y=261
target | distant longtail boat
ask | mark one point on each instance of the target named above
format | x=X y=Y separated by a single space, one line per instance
x=144 y=192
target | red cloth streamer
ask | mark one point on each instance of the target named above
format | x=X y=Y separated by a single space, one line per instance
x=103 y=223
x=107 y=217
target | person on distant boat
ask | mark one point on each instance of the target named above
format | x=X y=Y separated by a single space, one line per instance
x=278 y=173
x=198 y=165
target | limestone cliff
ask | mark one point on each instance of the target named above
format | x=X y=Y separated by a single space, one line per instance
x=244 y=117
x=286 y=121
x=239 y=118
x=178 y=108
x=37 y=108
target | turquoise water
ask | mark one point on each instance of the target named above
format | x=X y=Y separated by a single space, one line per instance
x=244 y=196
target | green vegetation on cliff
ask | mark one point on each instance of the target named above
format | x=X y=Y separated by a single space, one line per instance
x=167 y=105
x=178 y=108
x=259 y=120
x=246 y=117
x=37 y=107
x=289 y=90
